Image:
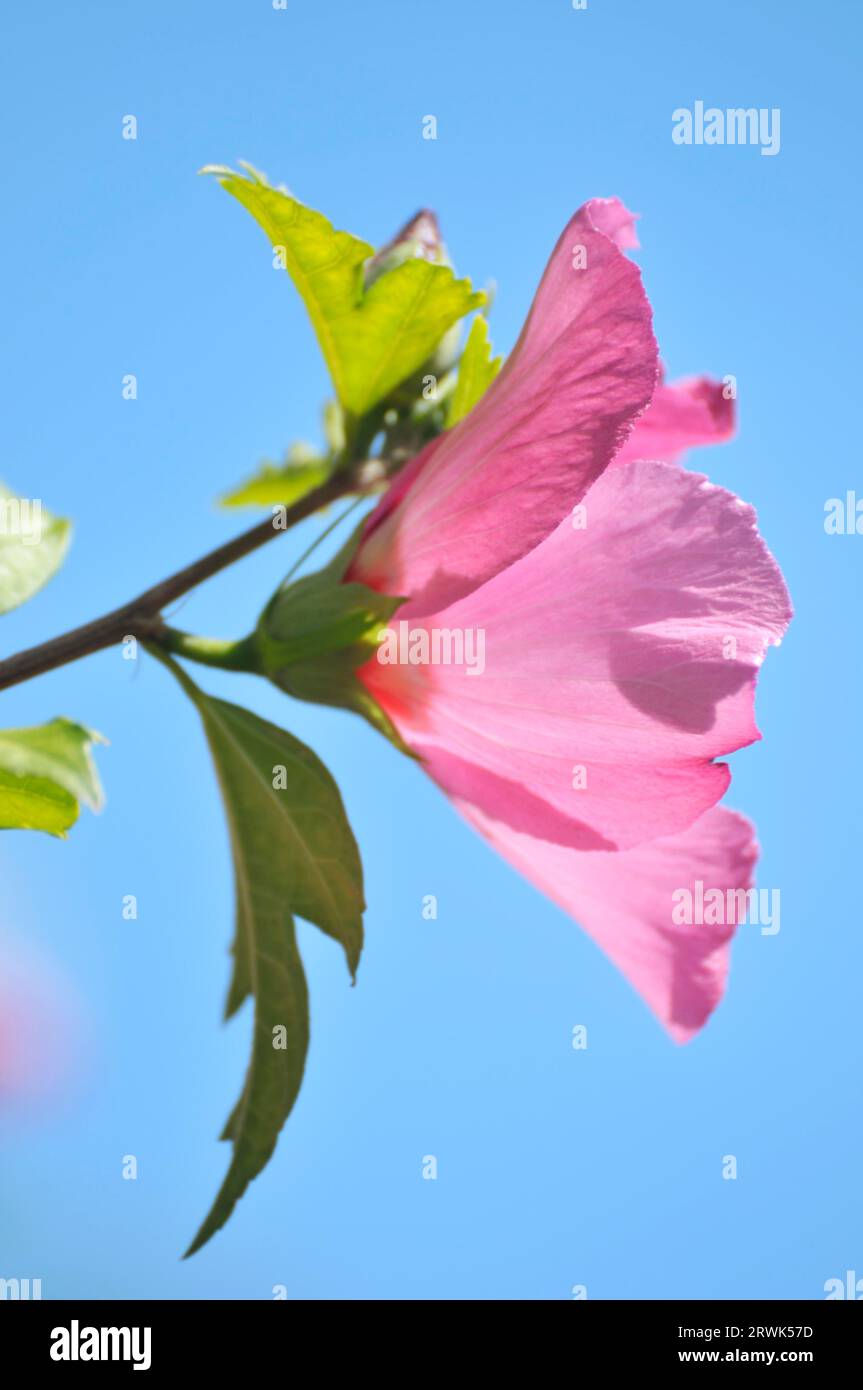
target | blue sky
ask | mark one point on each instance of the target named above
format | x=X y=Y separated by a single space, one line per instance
x=556 y=1167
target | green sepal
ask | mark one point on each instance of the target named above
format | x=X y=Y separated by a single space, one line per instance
x=315 y=633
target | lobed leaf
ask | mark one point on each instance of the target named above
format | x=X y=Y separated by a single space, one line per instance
x=294 y=854
x=372 y=338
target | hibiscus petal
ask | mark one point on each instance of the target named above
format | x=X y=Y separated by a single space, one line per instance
x=620 y=660
x=681 y=416
x=624 y=902
x=616 y=221
x=488 y=491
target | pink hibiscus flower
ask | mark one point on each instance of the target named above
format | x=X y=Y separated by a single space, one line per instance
x=625 y=605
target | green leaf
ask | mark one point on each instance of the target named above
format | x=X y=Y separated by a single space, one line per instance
x=32 y=546
x=477 y=370
x=35 y=803
x=372 y=339
x=283 y=484
x=44 y=773
x=294 y=853
x=316 y=632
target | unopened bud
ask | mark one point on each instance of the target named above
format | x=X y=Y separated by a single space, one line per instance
x=418 y=239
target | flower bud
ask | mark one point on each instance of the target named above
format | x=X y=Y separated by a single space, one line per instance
x=418 y=239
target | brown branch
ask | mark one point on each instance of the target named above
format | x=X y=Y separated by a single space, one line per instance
x=140 y=618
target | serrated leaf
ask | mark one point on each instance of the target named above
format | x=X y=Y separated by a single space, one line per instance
x=315 y=861
x=294 y=853
x=33 y=544
x=45 y=772
x=280 y=484
x=477 y=370
x=372 y=339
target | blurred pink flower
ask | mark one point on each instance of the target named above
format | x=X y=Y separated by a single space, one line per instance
x=626 y=604
x=38 y=1032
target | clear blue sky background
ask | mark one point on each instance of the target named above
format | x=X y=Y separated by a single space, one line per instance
x=555 y=1167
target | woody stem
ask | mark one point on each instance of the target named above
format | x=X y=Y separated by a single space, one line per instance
x=141 y=617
